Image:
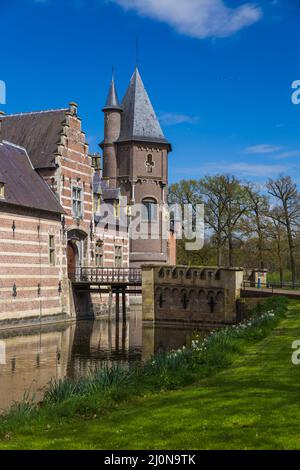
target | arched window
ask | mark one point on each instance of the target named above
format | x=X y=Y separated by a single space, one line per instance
x=149 y=210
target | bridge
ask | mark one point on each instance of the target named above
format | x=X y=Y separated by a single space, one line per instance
x=104 y=280
x=270 y=289
x=112 y=281
x=173 y=293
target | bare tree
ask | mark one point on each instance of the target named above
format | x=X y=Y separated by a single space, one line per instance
x=285 y=193
x=216 y=202
x=276 y=235
x=256 y=222
x=226 y=201
x=238 y=206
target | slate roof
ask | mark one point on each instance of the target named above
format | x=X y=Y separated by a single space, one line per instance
x=139 y=121
x=112 y=101
x=100 y=186
x=37 y=132
x=24 y=186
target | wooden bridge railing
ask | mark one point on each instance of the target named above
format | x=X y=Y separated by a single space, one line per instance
x=108 y=276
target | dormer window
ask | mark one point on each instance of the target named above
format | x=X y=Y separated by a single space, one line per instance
x=2 y=190
x=96 y=159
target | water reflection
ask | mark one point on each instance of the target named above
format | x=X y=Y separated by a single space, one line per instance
x=30 y=358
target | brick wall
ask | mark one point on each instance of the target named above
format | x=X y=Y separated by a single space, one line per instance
x=29 y=284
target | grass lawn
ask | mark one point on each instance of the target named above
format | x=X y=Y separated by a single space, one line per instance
x=254 y=404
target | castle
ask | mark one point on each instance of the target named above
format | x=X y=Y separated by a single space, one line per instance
x=54 y=199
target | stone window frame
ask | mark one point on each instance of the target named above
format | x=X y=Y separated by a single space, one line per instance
x=119 y=257
x=149 y=165
x=51 y=246
x=99 y=253
x=77 y=201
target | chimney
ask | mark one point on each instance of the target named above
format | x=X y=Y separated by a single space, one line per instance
x=73 y=108
x=2 y=113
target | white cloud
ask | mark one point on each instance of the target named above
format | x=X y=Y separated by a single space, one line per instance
x=171 y=119
x=241 y=169
x=288 y=154
x=279 y=153
x=197 y=18
x=262 y=148
x=252 y=169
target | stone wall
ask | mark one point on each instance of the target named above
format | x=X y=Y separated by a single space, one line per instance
x=205 y=295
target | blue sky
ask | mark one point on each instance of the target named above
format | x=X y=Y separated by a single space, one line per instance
x=219 y=73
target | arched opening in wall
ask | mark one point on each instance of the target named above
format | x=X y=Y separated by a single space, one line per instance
x=184 y=300
x=72 y=256
x=149 y=210
x=150 y=228
x=77 y=251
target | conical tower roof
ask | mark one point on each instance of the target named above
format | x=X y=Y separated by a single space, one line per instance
x=139 y=121
x=112 y=101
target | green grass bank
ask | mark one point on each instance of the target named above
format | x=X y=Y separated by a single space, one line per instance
x=236 y=390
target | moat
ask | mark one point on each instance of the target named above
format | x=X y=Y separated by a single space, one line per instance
x=31 y=357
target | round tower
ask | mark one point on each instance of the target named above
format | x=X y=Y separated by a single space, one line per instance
x=112 y=127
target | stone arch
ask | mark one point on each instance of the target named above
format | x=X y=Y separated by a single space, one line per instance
x=175 y=273
x=159 y=300
x=203 y=274
x=184 y=299
x=181 y=273
x=175 y=298
x=167 y=295
x=193 y=299
x=188 y=273
x=220 y=297
x=218 y=275
x=211 y=300
x=161 y=272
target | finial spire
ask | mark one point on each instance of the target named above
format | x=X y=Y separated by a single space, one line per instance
x=136 y=52
x=112 y=101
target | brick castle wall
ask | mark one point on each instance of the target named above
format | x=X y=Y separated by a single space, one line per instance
x=29 y=284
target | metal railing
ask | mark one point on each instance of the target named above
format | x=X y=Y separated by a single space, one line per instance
x=272 y=285
x=101 y=275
